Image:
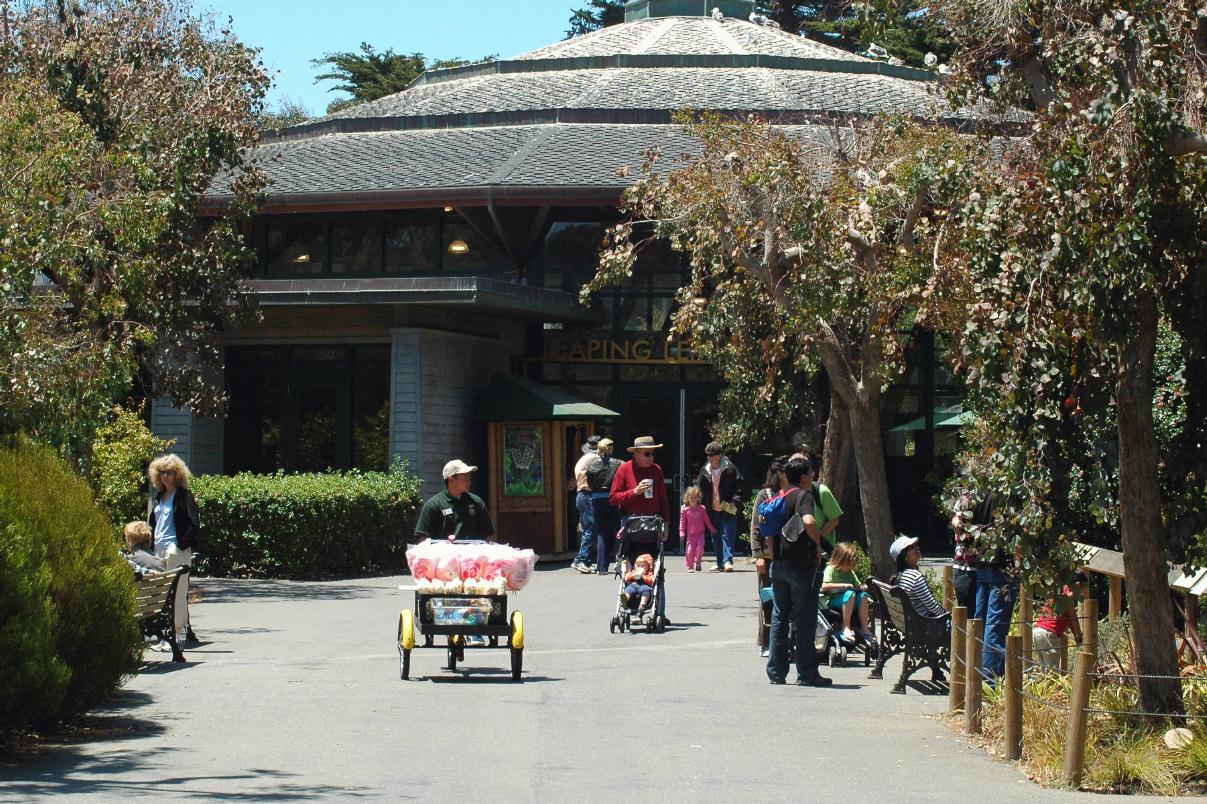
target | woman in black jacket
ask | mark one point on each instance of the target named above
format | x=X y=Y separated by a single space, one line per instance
x=177 y=529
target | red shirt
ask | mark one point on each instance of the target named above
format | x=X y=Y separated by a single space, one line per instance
x=1058 y=624
x=630 y=502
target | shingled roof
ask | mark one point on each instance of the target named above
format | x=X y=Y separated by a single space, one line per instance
x=558 y=122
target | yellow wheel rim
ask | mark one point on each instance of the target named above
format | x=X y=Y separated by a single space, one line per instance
x=406 y=629
x=517 y=629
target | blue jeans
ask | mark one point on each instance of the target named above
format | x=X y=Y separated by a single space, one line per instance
x=996 y=593
x=726 y=537
x=793 y=599
x=586 y=518
x=607 y=523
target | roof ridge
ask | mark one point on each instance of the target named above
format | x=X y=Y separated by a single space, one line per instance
x=520 y=154
x=653 y=36
x=719 y=26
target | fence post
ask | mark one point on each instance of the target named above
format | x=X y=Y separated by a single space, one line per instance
x=1024 y=617
x=1075 y=736
x=1115 y=601
x=1089 y=626
x=973 y=679
x=1014 y=696
x=1062 y=658
x=959 y=637
x=949 y=586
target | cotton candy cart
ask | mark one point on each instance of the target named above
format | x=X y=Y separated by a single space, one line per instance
x=457 y=617
x=461 y=601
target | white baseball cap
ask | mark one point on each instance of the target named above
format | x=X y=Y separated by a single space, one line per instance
x=457 y=467
x=901 y=544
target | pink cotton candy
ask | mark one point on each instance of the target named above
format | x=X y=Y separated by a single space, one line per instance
x=448 y=568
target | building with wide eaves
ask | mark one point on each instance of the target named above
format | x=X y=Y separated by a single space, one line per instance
x=411 y=248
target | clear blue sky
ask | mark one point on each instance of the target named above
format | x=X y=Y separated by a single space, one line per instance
x=290 y=33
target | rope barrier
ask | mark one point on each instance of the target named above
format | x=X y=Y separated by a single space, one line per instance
x=1141 y=675
x=1039 y=700
x=1138 y=713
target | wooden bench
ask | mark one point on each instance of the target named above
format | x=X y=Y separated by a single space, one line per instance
x=924 y=640
x=155 y=602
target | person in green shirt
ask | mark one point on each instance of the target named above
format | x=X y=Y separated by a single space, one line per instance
x=825 y=505
x=843 y=591
x=455 y=511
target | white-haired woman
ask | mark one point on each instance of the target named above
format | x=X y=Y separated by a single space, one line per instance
x=176 y=527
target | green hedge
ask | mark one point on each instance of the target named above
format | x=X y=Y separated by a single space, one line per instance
x=306 y=526
x=68 y=634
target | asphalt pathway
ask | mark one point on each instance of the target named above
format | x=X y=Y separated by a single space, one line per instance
x=295 y=693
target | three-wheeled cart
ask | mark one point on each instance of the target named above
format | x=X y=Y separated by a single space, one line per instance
x=458 y=616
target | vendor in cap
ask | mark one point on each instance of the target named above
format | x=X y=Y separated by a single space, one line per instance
x=455 y=511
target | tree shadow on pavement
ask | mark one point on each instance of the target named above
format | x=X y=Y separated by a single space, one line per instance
x=226 y=590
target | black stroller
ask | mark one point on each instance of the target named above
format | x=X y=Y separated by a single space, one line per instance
x=641 y=534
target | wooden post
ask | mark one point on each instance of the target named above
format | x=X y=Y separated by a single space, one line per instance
x=959 y=637
x=1062 y=657
x=974 y=680
x=949 y=587
x=1026 y=622
x=1115 y=601
x=1014 y=696
x=1089 y=626
x=1075 y=735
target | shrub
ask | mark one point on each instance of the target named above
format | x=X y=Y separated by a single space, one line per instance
x=120 y=455
x=306 y=526
x=68 y=634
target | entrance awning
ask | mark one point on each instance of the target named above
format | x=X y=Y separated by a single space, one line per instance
x=948 y=417
x=514 y=399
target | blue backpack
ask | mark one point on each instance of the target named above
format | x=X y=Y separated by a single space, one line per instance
x=773 y=514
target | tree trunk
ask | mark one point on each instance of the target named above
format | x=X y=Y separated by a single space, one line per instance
x=834 y=454
x=1140 y=511
x=873 y=482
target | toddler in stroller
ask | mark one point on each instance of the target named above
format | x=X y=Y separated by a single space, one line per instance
x=642 y=576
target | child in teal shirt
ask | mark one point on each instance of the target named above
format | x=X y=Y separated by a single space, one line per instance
x=844 y=592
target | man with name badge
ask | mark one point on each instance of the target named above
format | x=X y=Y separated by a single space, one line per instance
x=455 y=511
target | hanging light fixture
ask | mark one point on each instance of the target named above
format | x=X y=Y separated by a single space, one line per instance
x=458 y=247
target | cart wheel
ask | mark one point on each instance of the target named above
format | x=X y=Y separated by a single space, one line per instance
x=452 y=656
x=517 y=663
x=405 y=658
x=659 y=623
x=612 y=625
x=517 y=630
x=406 y=629
x=626 y=624
x=842 y=655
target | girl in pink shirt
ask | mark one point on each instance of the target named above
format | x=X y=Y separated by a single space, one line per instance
x=693 y=521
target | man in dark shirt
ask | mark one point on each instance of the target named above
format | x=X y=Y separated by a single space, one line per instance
x=455 y=511
x=794 y=584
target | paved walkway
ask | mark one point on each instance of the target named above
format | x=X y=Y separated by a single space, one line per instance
x=296 y=694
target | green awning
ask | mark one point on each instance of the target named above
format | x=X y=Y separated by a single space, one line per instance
x=947 y=417
x=514 y=399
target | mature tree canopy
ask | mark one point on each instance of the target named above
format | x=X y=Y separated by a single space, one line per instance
x=369 y=75
x=806 y=255
x=597 y=14
x=115 y=116
x=287 y=112
x=1080 y=240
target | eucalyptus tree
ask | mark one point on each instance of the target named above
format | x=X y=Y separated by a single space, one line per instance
x=115 y=117
x=1079 y=240
x=806 y=253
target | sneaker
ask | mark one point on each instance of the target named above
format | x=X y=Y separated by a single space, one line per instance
x=474 y=639
x=729 y=566
x=698 y=568
x=777 y=680
x=764 y=653
x=161 y=646
x=691 y=569
x=579 y=566
x=816 y=680
x=714 y=568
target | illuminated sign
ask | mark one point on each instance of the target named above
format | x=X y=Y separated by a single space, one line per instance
x=569 y=349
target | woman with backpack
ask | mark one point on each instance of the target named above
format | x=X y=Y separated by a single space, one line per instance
x=772 y=486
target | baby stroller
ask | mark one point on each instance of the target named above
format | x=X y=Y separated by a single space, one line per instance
x=832 y=647
x=640 y=534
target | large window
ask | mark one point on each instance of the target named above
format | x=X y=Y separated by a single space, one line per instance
x=411 y=242
x=307 y=408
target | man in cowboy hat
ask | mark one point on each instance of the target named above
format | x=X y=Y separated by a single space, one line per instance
x=586 y=510
x=455 y=511
x=638 y=489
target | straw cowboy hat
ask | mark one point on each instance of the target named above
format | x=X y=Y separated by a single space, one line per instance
x=643 y=442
